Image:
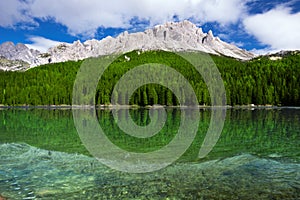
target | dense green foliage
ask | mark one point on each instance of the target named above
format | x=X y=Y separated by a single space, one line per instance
x=260 y=81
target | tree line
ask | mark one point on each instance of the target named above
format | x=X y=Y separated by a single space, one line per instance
x=259 y=81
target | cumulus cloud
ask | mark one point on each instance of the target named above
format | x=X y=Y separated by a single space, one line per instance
x=40 y=43
x=85 y=17
x=13 y=12
x=279 y=28
x=238 y=44
x=264 y=51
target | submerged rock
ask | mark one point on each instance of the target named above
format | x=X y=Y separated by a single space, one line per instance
x=71 y=176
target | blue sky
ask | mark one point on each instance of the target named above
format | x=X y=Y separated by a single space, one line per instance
x=257 y=25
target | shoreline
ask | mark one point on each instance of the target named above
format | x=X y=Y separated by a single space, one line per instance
x=107 y=107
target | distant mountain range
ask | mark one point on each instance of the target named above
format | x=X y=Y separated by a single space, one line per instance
x=179 y=36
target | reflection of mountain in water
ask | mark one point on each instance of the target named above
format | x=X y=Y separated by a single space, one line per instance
x=28 y=172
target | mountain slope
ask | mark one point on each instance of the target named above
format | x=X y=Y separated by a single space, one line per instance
x=181 y=36
x=260 y=81
x=16 y=57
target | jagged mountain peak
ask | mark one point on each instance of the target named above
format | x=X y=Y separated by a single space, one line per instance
x=19 y=54
x=171 y=36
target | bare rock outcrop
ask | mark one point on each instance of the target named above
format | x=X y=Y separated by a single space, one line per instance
x=172 y=36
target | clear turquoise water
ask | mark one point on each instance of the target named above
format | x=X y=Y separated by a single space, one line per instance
x=256 y=157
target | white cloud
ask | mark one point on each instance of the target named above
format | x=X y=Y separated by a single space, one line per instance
x=222 y=11
x=278 y=28
x=238 y=44
x=84 y=17
x=264 y=51
x=14 y=12
x=40 y=43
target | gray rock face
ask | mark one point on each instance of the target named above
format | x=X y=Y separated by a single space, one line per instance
x=18 y=52
x=16 y=57
x=181 y=36
x=13 y=65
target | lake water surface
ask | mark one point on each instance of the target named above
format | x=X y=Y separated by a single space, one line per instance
x=256 y=157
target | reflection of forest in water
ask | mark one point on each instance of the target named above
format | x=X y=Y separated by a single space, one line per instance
x=261 y=132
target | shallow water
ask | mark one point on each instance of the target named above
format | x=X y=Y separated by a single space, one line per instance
x=28 y=172
x=256 y=157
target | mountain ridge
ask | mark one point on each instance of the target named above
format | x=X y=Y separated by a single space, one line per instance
x=172 y=36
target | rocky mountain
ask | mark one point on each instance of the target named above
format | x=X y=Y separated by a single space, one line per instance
x=13 y=65
x=172 y=36
x=278 y=55
x=16 y=57
x=281 y=54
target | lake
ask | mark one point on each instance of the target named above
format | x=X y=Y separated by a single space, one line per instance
x=257 y=156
